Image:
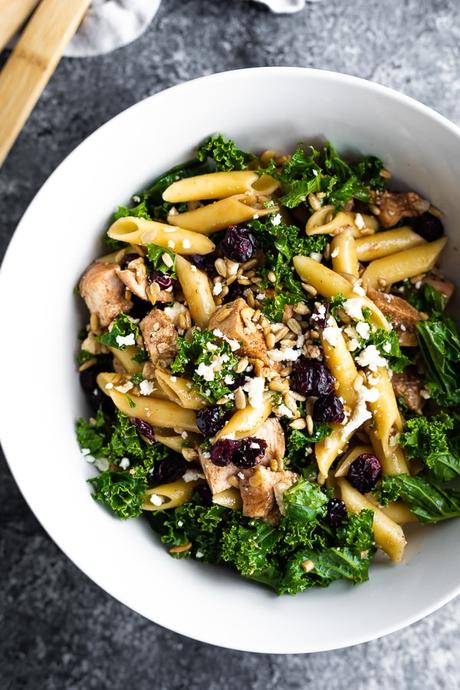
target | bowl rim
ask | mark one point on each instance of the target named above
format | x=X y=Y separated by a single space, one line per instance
x=9 y=442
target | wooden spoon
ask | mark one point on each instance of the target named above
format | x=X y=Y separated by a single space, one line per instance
x=32 y=63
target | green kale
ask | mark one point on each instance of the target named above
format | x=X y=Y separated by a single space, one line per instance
x=439 y=343
x=249 y=546
x=357 y=531
x=91 y=434
x=122 y=326
x=297 y=191
x=84 y=356
x=138 y=211
x=155 y=256
x=304 y=502
x=434 y=441
x=280 y=243
x=424 y=298
x=196 y=524
x=426 y=498
x=387 y=344
x=203 y=347
x=223 y=153
x=336 y=304
x=120 y=491
x=297 y=442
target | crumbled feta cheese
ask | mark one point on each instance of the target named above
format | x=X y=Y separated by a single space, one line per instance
x=211 y=347
x=184 y=435
x=122 y=340
x=360 y=413
x=352 y=345
x=175 y=311
x=180 y=523
x=260 y=296
x=199 y=554
x=331 y=335
x=255 y=389
x=386 y=347
x=85 y=451
x=146 y=387
x=217 y=288
x=186 y=244
x=173 y=379
x=102 y=464
x=371 y=357
x=124 y=463
x=234 y=344
x=402 y=327
x=316 y=256
x=418 y=285
x=335 y=252
x=228 y=379
x=171 y=244
x=287 y=354
x=358 y=290
x=276 y=219
x=425 y=394
x=363 y=330
x=193 y=268
x=240 y=475
x=283 y=410
x=353 y=307
x=125 y=387
x=156 y=500
x=191 y=475
x=206 y=371
x=109 y=385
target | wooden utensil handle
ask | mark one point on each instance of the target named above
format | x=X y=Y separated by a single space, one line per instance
x=32 y=63
x=13 y=13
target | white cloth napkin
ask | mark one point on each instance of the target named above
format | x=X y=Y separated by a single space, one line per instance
x=111 y=24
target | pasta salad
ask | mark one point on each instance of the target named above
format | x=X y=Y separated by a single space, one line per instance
x=273 y=377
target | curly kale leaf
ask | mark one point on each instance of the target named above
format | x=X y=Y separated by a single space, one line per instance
x=424 y=297
x=123 y=326
x=305 y=502
x=119 y=491
x=426 y=498
x=440 y=349
x=223 y=153
x=387 y=344
x=155 y=257
x=357 y=531
x=91 y=435
x=203 y=347
x=435 y=441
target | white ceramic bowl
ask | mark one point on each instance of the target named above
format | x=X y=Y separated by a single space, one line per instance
x=57 y=238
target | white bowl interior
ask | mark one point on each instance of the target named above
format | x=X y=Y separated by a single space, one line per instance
x=57 y=238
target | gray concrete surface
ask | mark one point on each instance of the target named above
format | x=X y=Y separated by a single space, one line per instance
x=58 y=631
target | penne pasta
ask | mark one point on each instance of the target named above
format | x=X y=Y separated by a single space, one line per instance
x=340 y=361
x=385 y=410
x=343 y=254
x=396 y=510
x=401 y=265
x=385 y=243
x=179 y=390
x=126 y=359
x=342 y=469
x=215 y=185
x=317 y=225
x=197 y=291
x=174 y=442
x=245 y=422
x=388 y=535
x=327 y=450
x=219 y=215
x=392 y=459
x=266 y=184
x=229 y=498
x=142 y=232
x=168 y=496
x=162 y=413
x=329 y=283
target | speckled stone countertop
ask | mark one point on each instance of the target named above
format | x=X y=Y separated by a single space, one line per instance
x=58 y=631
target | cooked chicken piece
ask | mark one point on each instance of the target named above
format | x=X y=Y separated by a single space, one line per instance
x=160 y=337
x=280 y=488
x=134 y=276
x=445 y=287
x=229 y=321
x=217 y=477
x=396 y=205
x=402 y=315
x=408 y=386
x=272 y=433
x=103 y=292
x=257 y=489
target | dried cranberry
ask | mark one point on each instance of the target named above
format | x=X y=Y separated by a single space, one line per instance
x=161 y=279
x=364 y=472
x=235 y=290
x=143 y=428
x=336 y=512
x=95 y=397
x=328 y=408
x=140 y=308
x=222 y=452
x=127 y=258
x=211 y=420
x=427 y=226
x=169 y=470
x=310 y=377
x=239 y=244
x=203 y=494
x=249 y=452
x=205 y=262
